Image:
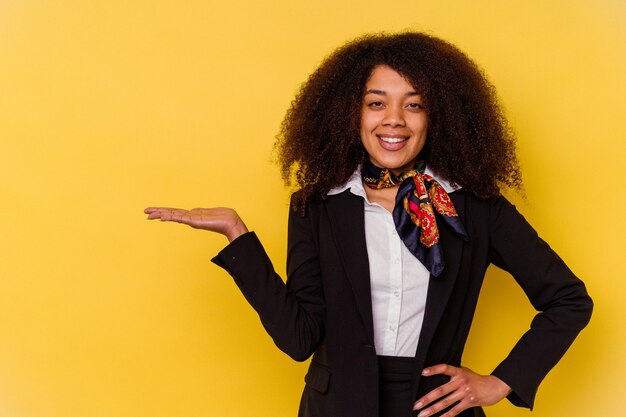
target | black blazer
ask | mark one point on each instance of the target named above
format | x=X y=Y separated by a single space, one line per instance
x=325 y=307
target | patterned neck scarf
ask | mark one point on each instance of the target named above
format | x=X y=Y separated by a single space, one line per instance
x=419 y=196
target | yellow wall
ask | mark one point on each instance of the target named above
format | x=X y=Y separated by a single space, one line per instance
x=109 y=106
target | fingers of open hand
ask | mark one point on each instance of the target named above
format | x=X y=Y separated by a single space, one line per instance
x=443 y=396
x=166 y=213
x=220 y=219
x=457 y=398
x=464 y=390
x=442 y=368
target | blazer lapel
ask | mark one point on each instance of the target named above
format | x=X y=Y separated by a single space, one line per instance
x=346 y=215
x=440 y=288
x=347 y=219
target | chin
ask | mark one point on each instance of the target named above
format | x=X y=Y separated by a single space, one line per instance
x=394 y=163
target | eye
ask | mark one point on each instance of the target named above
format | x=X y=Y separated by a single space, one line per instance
x=415 y=106
x=375 y=104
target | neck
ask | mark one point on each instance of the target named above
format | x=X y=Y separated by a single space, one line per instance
x=399 y=170
x=386 y=197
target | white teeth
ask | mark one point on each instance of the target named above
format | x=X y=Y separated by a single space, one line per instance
x=392 y=140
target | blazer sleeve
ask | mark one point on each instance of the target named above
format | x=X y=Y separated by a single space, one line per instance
x=555 y=292
x=292 y=313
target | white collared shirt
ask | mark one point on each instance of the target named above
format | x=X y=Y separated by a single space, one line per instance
x=398 y=280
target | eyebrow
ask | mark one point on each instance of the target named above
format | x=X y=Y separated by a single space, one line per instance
x=383 y=93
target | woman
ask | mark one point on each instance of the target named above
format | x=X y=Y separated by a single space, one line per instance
x=399 y=149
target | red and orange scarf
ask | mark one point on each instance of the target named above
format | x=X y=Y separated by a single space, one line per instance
x=419 y=197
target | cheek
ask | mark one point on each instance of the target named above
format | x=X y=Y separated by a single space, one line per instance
x=369 y=120
x=420 y=124
x=365 y=130
x=364 y=125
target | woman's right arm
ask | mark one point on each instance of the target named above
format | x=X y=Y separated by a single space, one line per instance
x=293 y=313
x=221 y=220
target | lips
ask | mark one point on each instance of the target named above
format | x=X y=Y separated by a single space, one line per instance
x=392 y=142
x=392 y=139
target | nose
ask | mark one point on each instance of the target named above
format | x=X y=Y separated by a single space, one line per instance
x=393 y=117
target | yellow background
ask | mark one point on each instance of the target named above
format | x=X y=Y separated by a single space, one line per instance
x=110 y=106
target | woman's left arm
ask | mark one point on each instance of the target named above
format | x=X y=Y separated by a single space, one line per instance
x=555 y=292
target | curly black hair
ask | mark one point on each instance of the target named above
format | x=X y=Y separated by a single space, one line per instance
x=469 y=141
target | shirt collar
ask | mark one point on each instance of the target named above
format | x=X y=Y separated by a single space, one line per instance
x=355 y=184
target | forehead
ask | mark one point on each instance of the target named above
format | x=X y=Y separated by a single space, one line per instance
x=385 y=79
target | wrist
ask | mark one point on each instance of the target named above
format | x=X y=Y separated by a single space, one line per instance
x=237 y=230
x=502 y=387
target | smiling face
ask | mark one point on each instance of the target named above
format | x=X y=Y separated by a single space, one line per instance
x=393 y=120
